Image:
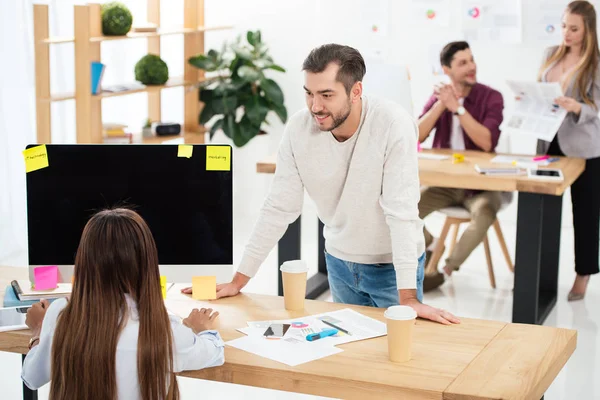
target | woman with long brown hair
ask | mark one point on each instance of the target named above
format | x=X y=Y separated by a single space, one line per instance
x=575 y=65
x=113 y=338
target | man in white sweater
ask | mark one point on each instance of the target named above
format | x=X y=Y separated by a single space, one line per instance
x=356 y=156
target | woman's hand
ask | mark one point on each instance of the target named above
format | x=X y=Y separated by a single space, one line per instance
x=201 y=320
x=569 y=104
x=35 y=316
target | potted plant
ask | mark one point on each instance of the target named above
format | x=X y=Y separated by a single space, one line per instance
x=237 y=91
x=147 y=129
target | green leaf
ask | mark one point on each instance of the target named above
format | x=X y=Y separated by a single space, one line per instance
x=203 y=62
x=256 y=109
x=272 y=90
x=206 y=95
x=206 y=114
x=229 y=126
x=243 y=53
x=249 y=74
x=215 y=127
x=275 y=67
x=251 y=38
x=246 y=131
x=280 y=110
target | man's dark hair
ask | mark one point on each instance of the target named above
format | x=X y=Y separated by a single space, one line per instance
x=449 y=50
x=352 y=66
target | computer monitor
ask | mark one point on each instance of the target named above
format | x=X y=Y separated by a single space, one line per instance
x=186 y=201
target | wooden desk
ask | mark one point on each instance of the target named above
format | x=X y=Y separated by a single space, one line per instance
x=538 y=225
x=477 y=359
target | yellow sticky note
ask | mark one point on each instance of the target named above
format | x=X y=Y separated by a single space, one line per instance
x=185 y=150
x=163 y=286
x=204 y=287
x=35 y=158
x=458 y=158
x=218 y=158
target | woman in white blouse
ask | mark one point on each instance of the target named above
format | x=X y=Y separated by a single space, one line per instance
x=113 y=338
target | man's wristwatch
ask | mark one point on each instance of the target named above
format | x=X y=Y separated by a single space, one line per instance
x=460 y=111
x=32 y=341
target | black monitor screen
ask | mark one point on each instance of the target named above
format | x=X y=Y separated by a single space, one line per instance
x=188 y=208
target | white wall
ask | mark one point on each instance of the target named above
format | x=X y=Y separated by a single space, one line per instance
x=291 y=28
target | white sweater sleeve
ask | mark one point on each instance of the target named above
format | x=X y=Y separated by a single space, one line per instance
x=36 y=367
x=282 y=206
x=400 y=199
x=193 y=352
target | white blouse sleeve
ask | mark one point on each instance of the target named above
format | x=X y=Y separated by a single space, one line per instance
x=36 y=367
x=193 y=352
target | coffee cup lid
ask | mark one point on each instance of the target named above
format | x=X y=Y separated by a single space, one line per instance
x=400 y=313
x=294 y=267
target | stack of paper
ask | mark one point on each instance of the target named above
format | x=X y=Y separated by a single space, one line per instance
x=293 y=348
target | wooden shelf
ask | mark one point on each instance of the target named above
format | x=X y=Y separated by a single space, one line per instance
x=171 y=83
x=87 y=41
x=188 y=138
x=140 y=35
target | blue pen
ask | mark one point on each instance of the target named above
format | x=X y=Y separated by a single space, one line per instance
x=316 y=336
x=553 y=159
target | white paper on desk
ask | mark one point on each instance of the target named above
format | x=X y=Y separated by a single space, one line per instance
x=288 y=351
x=508 y=159
x=535 y=113
x=427 y=156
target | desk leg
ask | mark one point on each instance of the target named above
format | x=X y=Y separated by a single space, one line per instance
x=289 y=248
x=318 y=283
x=28 y=394
x=537 y=253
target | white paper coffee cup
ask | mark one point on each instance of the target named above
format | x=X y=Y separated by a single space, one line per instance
x=294 y=274
x=400 y=323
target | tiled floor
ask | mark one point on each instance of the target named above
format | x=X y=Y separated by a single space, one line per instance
x=467 y=294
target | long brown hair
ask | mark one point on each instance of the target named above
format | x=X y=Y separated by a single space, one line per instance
x=586 y=68
x=116 y=256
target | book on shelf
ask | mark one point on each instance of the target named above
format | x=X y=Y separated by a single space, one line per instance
x=97 y=73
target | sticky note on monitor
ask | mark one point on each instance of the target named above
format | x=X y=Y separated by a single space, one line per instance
x=163 y=286
x=185 y=150
x=218 y=158
x=35 y=158
x=204 y=287
x=45 y=278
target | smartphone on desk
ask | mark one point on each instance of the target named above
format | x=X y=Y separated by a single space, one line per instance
x=546 y=174
x=276 y=330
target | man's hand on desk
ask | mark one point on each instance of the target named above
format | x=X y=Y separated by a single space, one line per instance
x=409 y=298
x=227 y=289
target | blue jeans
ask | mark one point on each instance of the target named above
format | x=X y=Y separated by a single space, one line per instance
x=372 y=285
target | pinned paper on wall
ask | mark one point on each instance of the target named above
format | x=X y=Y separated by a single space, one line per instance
x=185 y=150
x=35 y=158
x=218 y=158
x=45 y=278
x=204 y=287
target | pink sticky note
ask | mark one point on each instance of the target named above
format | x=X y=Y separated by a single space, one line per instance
x=45 y=278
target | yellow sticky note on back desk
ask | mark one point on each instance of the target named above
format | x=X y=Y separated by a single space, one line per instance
x=204 y=287
x=35 y=158
x=218 y=158
x=185 y=150
x=163 y=286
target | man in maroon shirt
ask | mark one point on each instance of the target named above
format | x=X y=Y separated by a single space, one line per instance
x=466 y=115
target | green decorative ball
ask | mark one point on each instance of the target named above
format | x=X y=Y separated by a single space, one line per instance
x=151 y=70
x=116 y=19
